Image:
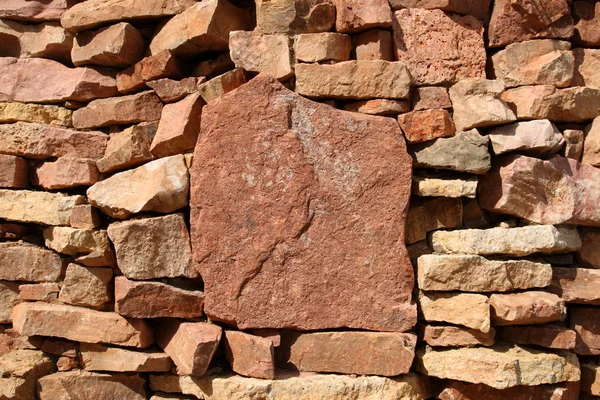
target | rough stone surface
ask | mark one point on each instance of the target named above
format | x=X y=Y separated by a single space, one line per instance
x=46 y=40
x=294 y=16
x=225 y=83
x=20 y=371
x=477 y=8
x=566 y=192
x=379 y=107
x=140 y=107
x=155 y=300
x=39 y=292
x=430 y=98
x=161 y=185
x=26 y=262
x=92 y=13
x=510 y=241
x=37 y=207
x=161 y=65
x=65 y=173
x=84 y=216
x=81 y=243
x=501 y=366
x=91 y=385
x=9 y=297
x=590 y=378
x=437 y=47
x=285 y=226
x=374 y=44
x=26 y=80
x=587 y=15
x=85 y=325
x=361 y=353
x=13 y=172
x=471 y=273
x=589 y=253
x=44 y=114
x=358 y=15
x=317 y=47
x=591 y=146
x=467 y=391
x=268 y=54
x=98 y=357
x=526 y=308
x=191 y=345
x=455 y=336
x=444 y=187
x=465 y=151
x=477 y=103
x=203 y=27
x=152 y=248
x=573 y=143
x=40 y=141
x=119 y=45
x=128 y=148
x=87 y=287
x=586 y=73
x=250 y=355
x=353 y=80
x=576 y=285
x=551 y=336
x=170 y=90
x=470 y=310
x=538 y=138
x=426 y=215
x=585 y=322
x=421 y=126
x=179 y=127
x=36 y=10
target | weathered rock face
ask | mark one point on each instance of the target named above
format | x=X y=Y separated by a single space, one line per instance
x=201 y=28
x=539 y=137
x=591 y=147
x=378 y=107
x=44 y=114
x=161 y=65
x=374 y=44
x=294 y=16
x=65 y=173
x=161 y=185
x=25 y=80
x=430 y=98
x=36 y=10
x=590 y=251
x=421 y=126
x=470 y=310
x=511 y=241
x=29 y=263
x=551 y=336
x=39 y=292
x=268 y=54
x=9 y=297
x=316 y=47
x=171 y=90
x=62 y=385
x=353 y=80
x=85 y=325
x=439 y=48
x=466 y=391
x=471 y=273
x=444 y=187
x=526 y=308
x=513 y=365
x=225 y=83
x=426 y=215
x=576 y=285
x=250 y=355
x=47 y=40
x=91 y=13
x=585 y=72
x=37 y=207
x=566 y=191
x=453 y=336
x=13 y=172
x=286 y=225
x=76 y=242
x=358 y=15
x=97 y=357
x=590 y=375
x=586 y=15
x=363 y=353
x=87 y=287
x=477 y=8
x=573 y=143
x=20 y=371
x=585 y=322
x=128 y=148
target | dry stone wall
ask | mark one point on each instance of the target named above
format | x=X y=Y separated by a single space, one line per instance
x=299 y=199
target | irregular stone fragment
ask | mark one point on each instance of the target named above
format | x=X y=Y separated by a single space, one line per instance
x=13 y=172
x=551 y=336
x=20 y=261
x=587 y=325
x=225 y=83
x=20 y=371
x=294 y=16
x=307 y=386
x=249 y=355
x=85 y=216
x=357 y=15
x=565 y=191
x=85 y=325
x=575 y=104
x=470 y=310
x=512 y=365
x=317 y=47
x=426 y=215
x=430 y=98
x=533 y=307
x=139 y=107
x=152 y=248
x=84 y=384
x=353 y=80
x=591 y=146
x=535 y=62
x=191 y=345
x=47 y=40
x=128 y=148
x=379 y=107
x=573 y=143
x=9 y=297
x=466 y=391
x=37 y=207
x=39 y=292
x=203 y=27
x=285 y=226
x=40 y=141
x=76 y=242
x=155 y=300
x=119 y=45
x=179 y=127
x=98 y=357
x=466 y=151
x=92 y=13
x=439 y=48
x=538 y=138
x=455 y=336
x=586 y=73
x=361 y=353
x=87 y=287
x=161 y=65
x=44 y=114
x=590 y=378
x=170 y=90
x=477 y=103
x=160 y=185
x=576 y=285
x=374 y=44
x=444 y=187
x=471 y=273
x=510 y=241
x=15 y=231
x=34 y=10
x=517 y=21
x=476 y=8
x=421 y=126
x=65 y=173
x=268 y=54
x=587 y=16
x=26 y=80
x=589 y=253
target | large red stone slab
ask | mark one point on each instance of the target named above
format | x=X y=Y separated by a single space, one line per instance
x=298 y=213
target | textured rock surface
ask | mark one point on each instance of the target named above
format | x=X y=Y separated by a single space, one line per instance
x=573 y=143
x=37 y=207
x=477 y=8
x=591 y=147
x=427 y=215
x=374 y=44
x=36 y=10
x=378 y=107
x=25 y=262
x=589 y=253
x=357 y=15
x=421 y=126
x=47 y=40
x=170 y=90
x=250 y=355
x=44 y=114
x=430 y=98
x=539 y=137
x=576 y=285
x=439 y=48
x=20 y=371
x=585 y=322
x=317 y=47
x=128 y=148
x=590 y=378
x=586 y=15
x=293 y=16
x=470 y=310
x=13 y=172
x=78 y=242
x=305 y=228
x=87 y=287
x=161 y=185
x=63 y=385
x=98 y=357
x=468 y=391
x=9 y=297
x=225 y=83
x=160 y=65
x=39 y=292
x=471 y=273
x=65 y=173
x=444 y=187
x=526 y=308
x=586 y=74
x=551 y=336
x=453 y=336
x=268 y=54
x=566 y=191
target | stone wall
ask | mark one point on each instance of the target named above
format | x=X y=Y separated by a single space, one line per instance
x=299 y=199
